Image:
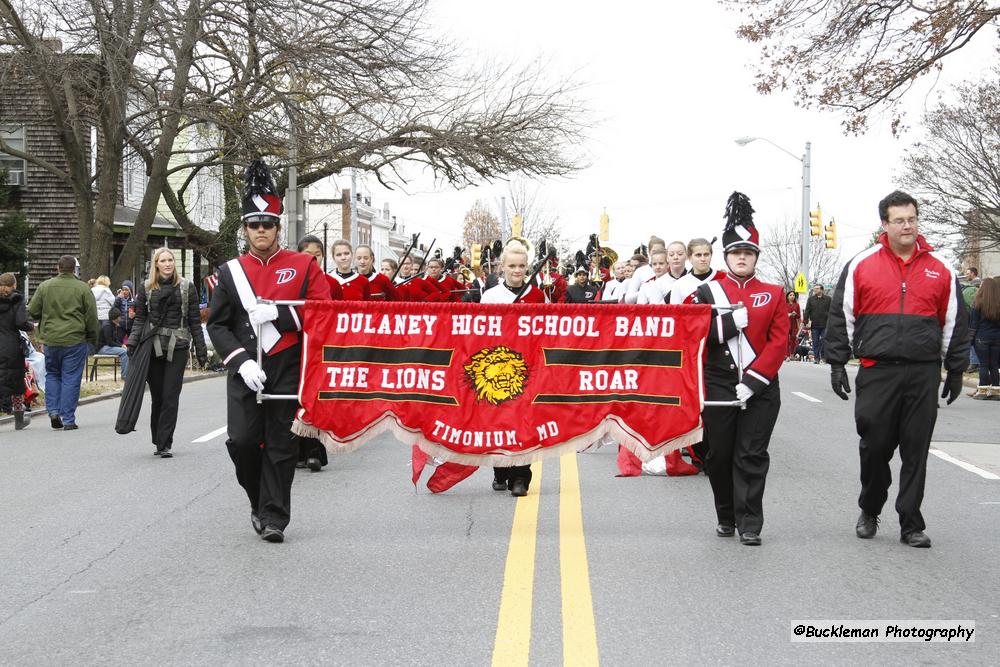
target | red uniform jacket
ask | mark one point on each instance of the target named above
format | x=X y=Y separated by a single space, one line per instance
x=336 y=291
x=449 y=287
x=286 y=275
x=765 y=338
x=355 y=286
x=557 y=293
x=380 y=287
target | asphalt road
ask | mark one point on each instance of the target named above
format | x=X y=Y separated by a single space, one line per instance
x=112 y=556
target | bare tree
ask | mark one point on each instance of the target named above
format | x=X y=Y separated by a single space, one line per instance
x=955 y=170
x=480 y=226
x=538 y=221
x=781 y=254
x=856 y=56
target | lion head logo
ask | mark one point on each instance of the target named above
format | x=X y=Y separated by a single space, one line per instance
x=497 y=374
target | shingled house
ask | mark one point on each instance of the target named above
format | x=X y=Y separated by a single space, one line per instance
x=46 y=200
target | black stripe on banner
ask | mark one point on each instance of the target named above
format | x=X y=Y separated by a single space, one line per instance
x=633 y=357
x=607 y=398
x=385 y=396
x=394 y=356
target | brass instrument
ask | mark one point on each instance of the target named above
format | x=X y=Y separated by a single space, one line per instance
x=467 y=275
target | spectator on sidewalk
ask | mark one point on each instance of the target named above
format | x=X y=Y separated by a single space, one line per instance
x=815 y=316
x=103 y=297
x=13 y=320
x=66 y=313
x=984 y=326
x=794 y=320
x=970 y=285
x=125 y=303
x=113 y=339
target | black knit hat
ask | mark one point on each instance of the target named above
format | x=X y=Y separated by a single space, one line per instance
x=260 y=200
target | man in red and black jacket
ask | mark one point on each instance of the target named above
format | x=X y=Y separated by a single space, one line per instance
x=260 y=439
x=898 y=308
x=737 y=439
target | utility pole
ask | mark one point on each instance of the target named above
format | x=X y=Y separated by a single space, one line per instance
x=354 y=208
x=504 y=230
x=806 y=237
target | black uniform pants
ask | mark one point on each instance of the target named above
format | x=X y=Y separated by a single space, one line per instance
x=165 y=379
x=508 y=475
x=896 y=406
x=737 y=459
x=263 y=451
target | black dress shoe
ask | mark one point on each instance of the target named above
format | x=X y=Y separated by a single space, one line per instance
x=70 y=427
x=725 y=530
x=272 y=534
x=314 y=464
x=750 y=539
x=56 y=421
x=519 y=488
x=867 y=526
x=157 y=452
x=498 y=485
x=917 y=538
x=165 y=453
x=255 y=522
x=300 y=464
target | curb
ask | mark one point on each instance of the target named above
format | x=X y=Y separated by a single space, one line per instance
x=108 y=395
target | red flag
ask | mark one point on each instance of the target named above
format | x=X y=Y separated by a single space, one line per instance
x=448 y=475
x=418 y=459
x=629 y=464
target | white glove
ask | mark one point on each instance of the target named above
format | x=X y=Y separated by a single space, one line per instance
x=253 y=375
x=262 y=312
x=743 y=392
x=740 y=318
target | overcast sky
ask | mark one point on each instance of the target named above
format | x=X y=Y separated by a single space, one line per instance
x=674 y=87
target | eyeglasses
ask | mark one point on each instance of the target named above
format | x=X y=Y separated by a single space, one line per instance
x=899 y=222
x=257 y=224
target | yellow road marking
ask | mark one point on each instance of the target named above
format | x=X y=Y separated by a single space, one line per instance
x=512 y=645
x=579 y=631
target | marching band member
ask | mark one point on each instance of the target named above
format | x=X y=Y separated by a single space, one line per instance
x=737 y=439
x=312 y=453
x=613 y=288
x=354 y=285
x=581 y=291
x=380 y=287
x=651 y=290
x=260 y=439
x=699 y=253
x=450 y=289
x=514 y=263
x=642 y=272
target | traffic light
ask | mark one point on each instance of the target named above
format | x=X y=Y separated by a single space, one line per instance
x=831 y=234
x=477 y=251
x=816 y=222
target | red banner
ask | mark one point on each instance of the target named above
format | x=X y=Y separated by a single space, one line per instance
x=498 y=385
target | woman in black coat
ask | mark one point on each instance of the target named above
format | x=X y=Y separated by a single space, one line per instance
x=13 y=320
x=166 y=311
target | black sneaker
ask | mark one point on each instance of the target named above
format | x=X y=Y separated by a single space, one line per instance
x=750 y=539
x=255 y=522
x=867 y=526
x=519 y=488
x=498 y=485
x=165 y=453
x=70 y=427
x=314 y=464
x=272 y=534
x=725 y=530
x=56 y=421
x=917 y=539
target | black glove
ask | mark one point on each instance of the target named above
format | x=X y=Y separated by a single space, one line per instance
x=131 y=351
x=952 y=386
x=839 y=381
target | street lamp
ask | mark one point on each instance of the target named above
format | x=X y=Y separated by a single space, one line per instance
x=806 y=165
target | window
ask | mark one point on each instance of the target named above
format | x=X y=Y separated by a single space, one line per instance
x=13 y=136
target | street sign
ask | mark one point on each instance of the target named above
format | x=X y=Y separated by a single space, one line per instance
x=801 y=284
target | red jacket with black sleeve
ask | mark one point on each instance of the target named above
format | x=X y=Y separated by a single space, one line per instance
x=380 y=287
x=885 y=309
x=765 y=338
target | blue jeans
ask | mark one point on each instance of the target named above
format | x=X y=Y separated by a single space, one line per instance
x=64 y=368
x=122 y=356
x=818 y=335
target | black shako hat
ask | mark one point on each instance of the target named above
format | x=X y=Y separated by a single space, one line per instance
x=260 y=200
x=739 y=231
